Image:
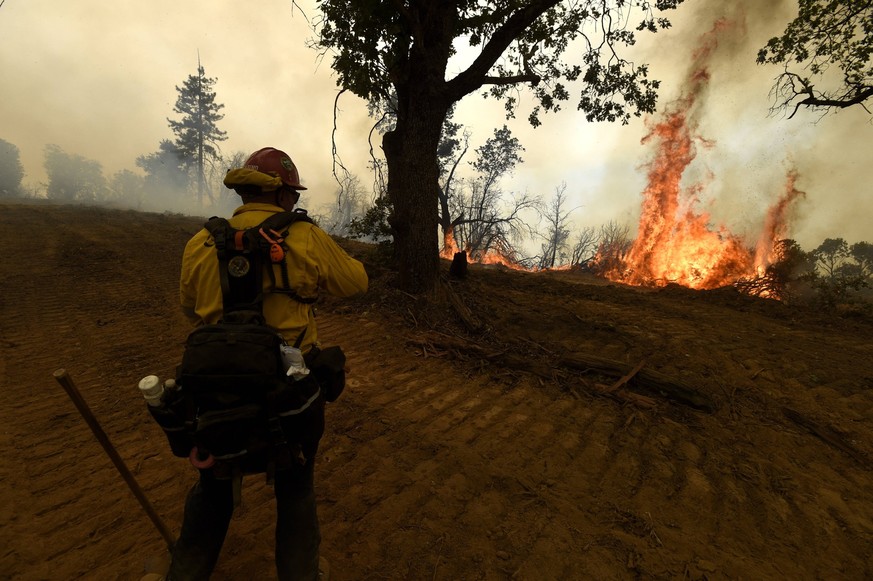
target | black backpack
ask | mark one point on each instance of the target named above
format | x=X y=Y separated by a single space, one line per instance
x=234 y=404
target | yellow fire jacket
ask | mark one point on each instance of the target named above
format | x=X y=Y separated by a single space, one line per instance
x=315 y=262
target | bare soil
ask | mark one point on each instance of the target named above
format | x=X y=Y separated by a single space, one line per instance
x=493 y=453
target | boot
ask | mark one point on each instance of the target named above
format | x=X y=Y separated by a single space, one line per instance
x=156 y=568
x=323 y=569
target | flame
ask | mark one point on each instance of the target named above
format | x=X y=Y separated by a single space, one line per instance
x=450 y=248
x=675 y=243
x=776 y=224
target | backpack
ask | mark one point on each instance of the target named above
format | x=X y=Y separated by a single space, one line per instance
x=236 y=402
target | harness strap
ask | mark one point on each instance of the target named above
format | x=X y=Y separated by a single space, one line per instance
x=217 y=227
x=279 y=224
x=248 y=242
x=300 y=338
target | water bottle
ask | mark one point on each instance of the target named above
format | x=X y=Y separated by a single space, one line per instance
x=164 y=401
x=293 y=359
x=152 y=389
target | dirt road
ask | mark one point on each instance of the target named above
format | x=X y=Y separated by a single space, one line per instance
x=445 y=458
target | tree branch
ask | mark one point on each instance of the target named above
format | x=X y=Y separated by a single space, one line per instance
x=334 y=155
x=412 y=21
x=526 y=78
x=484 y=18
x=860 y=95
x=474 y=77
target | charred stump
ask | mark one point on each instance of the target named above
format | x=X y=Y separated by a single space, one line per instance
x=458 y=269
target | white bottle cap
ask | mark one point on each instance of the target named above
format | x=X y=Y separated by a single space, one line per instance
x=150 y=386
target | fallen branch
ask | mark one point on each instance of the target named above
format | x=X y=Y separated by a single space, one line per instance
x=670 y=387
x=649 y=380
x=626 y=396
x=827 y=435
x=627 y=377
x=470 y=320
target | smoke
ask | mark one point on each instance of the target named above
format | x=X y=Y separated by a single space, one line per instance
x=98 y=79
x=746 y=151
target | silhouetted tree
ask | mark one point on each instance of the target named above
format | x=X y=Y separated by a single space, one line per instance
x=73 y=177
x=830 y=256
x=835 y=277
x=451 y=151
x=862 y=254
x=197 y=135
x=486 y=223
x=584 y=247
x=11 y=170
x=553 y=249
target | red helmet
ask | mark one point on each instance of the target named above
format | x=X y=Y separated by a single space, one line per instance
x=275 y=163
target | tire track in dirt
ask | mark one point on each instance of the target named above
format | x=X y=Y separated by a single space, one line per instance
x=67 y=512
x=485 y=478
x=459 y=463
x=408 y=445
x=431 y=468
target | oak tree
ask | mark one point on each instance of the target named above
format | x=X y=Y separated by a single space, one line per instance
x=827 y=55
x=486 y=221
x=403 y=47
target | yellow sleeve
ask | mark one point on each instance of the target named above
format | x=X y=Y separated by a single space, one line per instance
x=338 y=273
x=199 y=286
x=187 y=292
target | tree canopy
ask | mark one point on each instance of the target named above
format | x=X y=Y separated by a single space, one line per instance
x=398 y=53
x=72 y=177
x=827 y=55
x=11 y=170
x=375 y=44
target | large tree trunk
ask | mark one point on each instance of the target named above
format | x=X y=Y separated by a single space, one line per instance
x=413 y=187
x=411 y=148
x=413 y=182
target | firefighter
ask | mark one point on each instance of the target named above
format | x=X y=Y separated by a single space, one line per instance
x=267 y=183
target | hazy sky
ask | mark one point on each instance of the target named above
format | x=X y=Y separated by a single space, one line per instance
x=98 y=79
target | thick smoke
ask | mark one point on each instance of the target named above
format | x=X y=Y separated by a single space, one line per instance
x=91 y=77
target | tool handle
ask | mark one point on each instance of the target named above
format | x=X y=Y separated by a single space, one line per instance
x=66 y=382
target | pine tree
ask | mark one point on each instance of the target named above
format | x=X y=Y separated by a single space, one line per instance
x=197 y=135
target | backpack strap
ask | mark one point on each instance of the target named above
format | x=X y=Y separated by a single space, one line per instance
x=243 y=257
x=273 y=232
x=240 y=266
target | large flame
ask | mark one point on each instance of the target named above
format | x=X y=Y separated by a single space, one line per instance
x=676 y=243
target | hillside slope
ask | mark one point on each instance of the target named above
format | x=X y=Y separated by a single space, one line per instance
x=739 y=450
